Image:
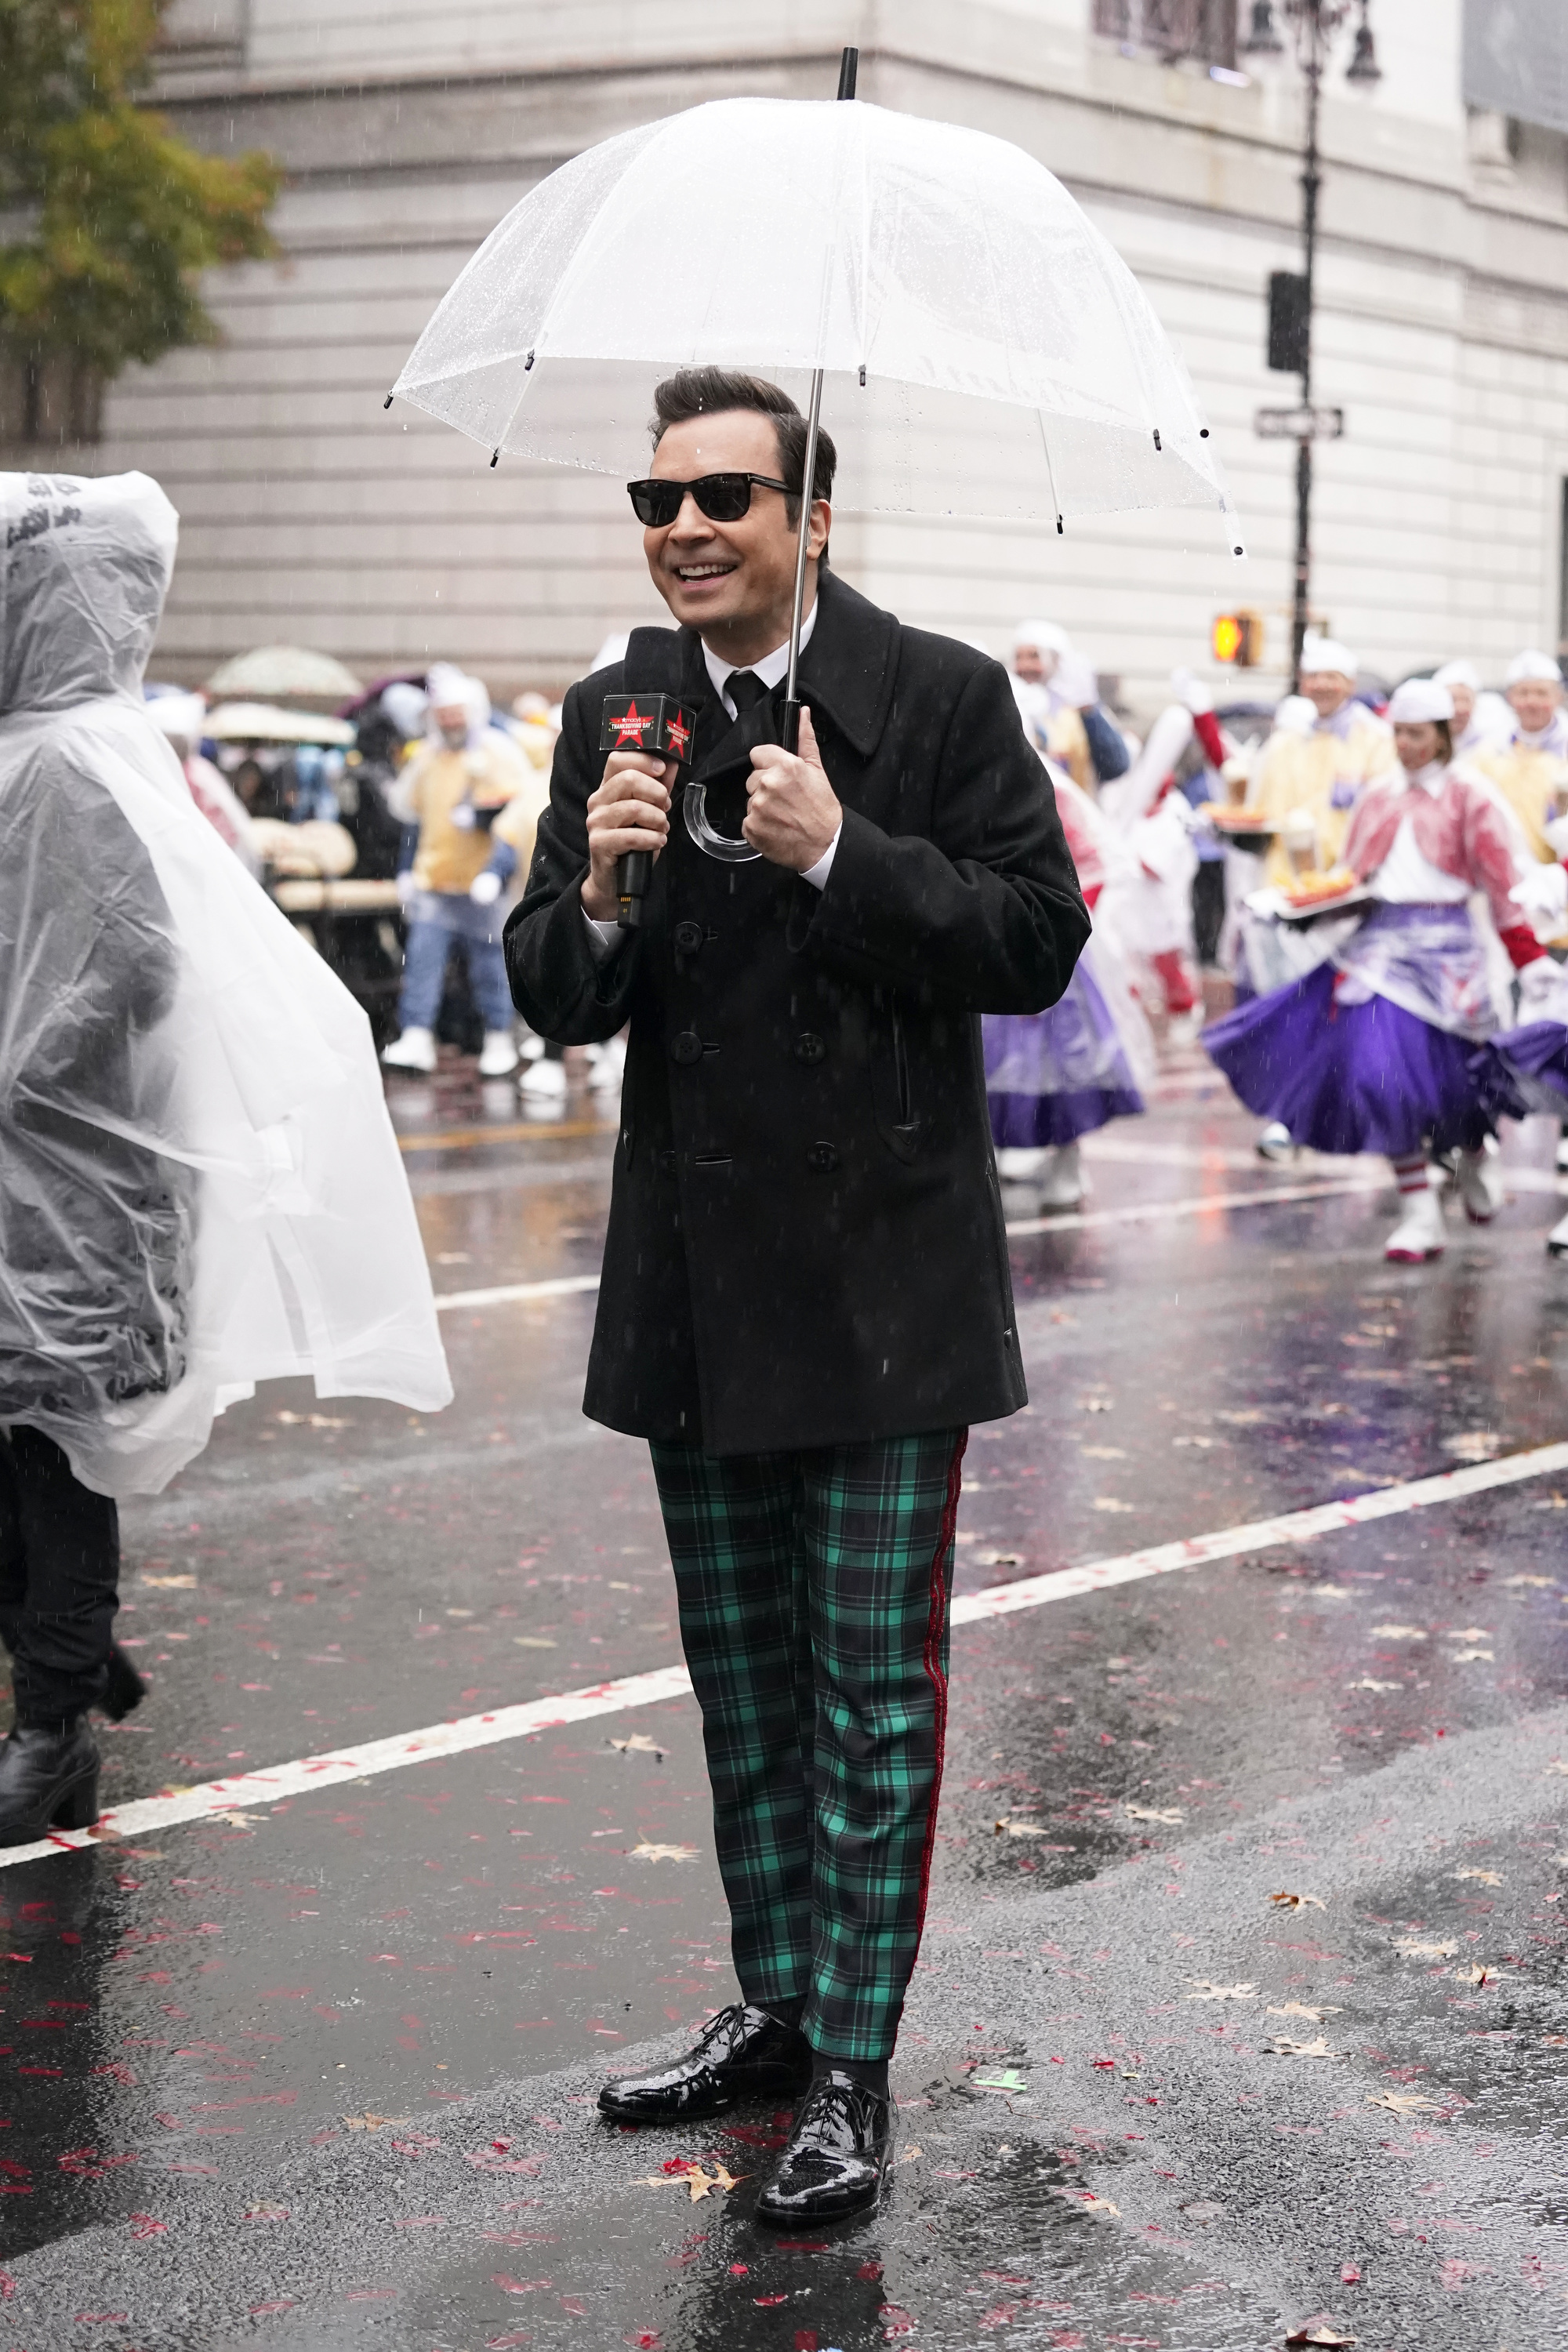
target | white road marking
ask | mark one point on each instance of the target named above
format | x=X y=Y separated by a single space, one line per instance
x=212 y=1799
x=1201 y=1205
x=510 y=1293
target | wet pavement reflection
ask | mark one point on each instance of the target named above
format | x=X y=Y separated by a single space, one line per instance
x=321 y=2071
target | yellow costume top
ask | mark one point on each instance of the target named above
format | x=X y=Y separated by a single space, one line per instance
x=439 y=783
x=1532 y=777
x=1067 y=742
x=1324 y=774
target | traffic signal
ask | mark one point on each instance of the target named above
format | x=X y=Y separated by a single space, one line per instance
x=1236 y=638
x=1290 y=322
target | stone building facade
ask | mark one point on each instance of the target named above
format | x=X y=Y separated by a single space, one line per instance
x=308 y=514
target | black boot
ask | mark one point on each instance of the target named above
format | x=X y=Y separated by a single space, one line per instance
x=48 y=1780
x=743 y=2053
x=836 y=2157
x=125 y=1688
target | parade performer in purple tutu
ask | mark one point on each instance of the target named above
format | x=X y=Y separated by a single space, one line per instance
x=1052 y=1077
x=1374 y=1050
x=1526 y=1068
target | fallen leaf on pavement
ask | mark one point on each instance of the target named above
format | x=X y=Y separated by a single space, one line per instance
x=1288 y=1902
x=1281 y=2048
x=371 y=2122
x=1404 y=2102
x=1112 y=1503
x=909 y=2153
x=169 y=1583
x=1207 y=1991
x=1322 y=2335
x=533 y=1642
x=1512 y=1583
x=1008 y=1827
x=1416 y=1951
x=1088 y=2201
x=692 y=2176
x=639 y=1744
x=1103 y=1453
x=1001 y=2078
x=1474 y=1445
x=1468 y=1657
x=1399 y=1633
x=265 y=2213
x=646 y=1853
x=1303 y=2009
x=1468 y=1633
x=1473 y=1972
x=1168 y=1813
x=1366 y=1683
x=997 y=1559
x=1482 y=1877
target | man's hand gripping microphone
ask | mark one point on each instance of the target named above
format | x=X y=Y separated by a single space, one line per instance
x=648 y=722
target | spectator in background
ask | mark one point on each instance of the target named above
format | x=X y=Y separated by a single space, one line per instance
x=1059 y=700
x=456 y=861
x=181 y=718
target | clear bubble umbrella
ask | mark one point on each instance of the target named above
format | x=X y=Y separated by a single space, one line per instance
x=976 y=345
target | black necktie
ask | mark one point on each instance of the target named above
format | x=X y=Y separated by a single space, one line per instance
x=745 y=691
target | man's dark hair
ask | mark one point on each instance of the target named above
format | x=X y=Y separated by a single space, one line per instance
x=710 y=391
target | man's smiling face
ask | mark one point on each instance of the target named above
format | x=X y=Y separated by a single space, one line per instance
x=729 y=581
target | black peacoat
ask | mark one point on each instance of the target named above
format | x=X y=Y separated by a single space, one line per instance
x=806 y=1244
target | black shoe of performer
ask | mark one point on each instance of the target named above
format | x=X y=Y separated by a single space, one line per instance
x=743 y=2053
x=125 y=1688
x=48 y=1780
x=837 y=2158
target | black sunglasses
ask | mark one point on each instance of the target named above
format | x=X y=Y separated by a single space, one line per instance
x=723 y=497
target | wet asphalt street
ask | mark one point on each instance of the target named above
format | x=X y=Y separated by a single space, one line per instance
x=1241 y=2009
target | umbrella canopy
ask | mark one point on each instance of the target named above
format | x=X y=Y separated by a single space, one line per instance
x=274 y=673
x=262 y=722
x=987 y=351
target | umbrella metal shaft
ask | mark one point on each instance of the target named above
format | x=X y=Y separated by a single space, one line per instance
x=848 y=70
x=807 y=484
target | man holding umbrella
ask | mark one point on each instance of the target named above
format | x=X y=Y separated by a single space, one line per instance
x=806 y=1298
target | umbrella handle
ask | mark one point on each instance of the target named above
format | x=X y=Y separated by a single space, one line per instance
x=721 y=846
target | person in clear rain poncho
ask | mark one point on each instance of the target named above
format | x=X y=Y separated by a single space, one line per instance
x=199 y=1185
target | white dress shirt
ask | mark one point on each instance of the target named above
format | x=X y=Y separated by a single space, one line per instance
x=771 y=667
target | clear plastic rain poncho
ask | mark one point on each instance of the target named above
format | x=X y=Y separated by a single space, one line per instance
x=199 y=1185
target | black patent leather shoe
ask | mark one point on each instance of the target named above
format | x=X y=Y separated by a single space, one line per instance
x=837 y=2158
x=742 y=2054
x=48 y=1780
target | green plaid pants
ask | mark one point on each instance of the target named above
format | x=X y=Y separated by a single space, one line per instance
x=812 y=1589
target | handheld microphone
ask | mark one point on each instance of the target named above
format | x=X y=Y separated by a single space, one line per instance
x=656 y=723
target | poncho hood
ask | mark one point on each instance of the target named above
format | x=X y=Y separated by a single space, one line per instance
x=85 y=567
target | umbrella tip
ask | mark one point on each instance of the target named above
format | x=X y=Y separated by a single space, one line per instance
x=495 y=457
x=848 y=67
x=1061 y=528
x=1203 y=432
x=1157 y=436
x=387 y=401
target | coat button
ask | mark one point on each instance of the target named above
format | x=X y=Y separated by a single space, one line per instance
x=823 y=1158
x=688 y=937
x=808 y=1047
x=686 y=1047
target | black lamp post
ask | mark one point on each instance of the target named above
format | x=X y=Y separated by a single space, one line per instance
x=1315 y=24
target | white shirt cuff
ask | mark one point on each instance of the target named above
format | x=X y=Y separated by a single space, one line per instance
x=604 y=939
x=818 y=874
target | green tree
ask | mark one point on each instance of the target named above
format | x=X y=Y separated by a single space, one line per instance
x=107 y=217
